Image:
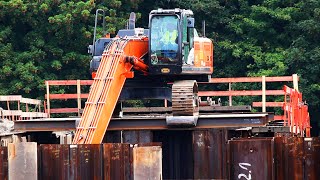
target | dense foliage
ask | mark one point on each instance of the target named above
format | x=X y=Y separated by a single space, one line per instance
x=47 y=39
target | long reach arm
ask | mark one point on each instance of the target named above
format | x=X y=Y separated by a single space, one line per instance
x=115 y=67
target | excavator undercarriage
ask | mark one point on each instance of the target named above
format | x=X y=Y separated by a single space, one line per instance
x=185 y=103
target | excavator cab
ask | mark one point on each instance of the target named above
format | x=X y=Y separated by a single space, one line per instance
x=175 y=49
x=174 y=45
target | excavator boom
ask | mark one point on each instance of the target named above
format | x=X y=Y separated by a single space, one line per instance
x=114 y=68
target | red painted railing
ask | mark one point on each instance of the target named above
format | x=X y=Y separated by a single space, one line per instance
x=230 y=92
x=296 y=114
x=78 y=95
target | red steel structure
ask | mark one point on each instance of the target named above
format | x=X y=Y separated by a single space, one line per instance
x=296 y=114
x=84 y=95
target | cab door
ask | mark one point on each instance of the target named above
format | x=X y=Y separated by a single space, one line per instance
x=164 y=44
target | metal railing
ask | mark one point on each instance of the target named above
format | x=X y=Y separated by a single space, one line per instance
x=13 y=108
x=263 y=92
x=230 y=92
x=296 y=114
x=78 y=95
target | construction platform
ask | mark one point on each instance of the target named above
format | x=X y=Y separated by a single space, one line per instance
x=155 y=122
x=212 y=113
x=228 y=142
x=198 y=154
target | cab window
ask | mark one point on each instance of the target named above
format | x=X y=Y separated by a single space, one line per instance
x=164 y=40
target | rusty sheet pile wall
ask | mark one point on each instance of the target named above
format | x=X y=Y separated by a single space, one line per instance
x=105 y=161
x=251 y=159
x=3 y=163
x=279 y=158
x=210 y=153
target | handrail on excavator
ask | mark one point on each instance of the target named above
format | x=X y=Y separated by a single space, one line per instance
x=106 y=88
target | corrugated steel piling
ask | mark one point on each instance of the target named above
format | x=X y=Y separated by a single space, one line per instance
x=70 y=161
x=188 y=155
x=295 y=158
x=3 y=163
x=251 y=159
x=117 y=161
x=210 y=154
x=312 y=158
x=89 y=161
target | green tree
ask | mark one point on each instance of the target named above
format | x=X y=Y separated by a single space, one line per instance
x=47 y=40
x=303 y=55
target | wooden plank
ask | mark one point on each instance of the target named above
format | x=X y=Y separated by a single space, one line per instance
x=23 y=114
x=64 y=110
x=212 y=80
x=34 y=115
x=295 y=82
x=250 y=79
x=67 y=96
x=230 y=97
x=11 y=112
x=68 y=82
x=240 y=93
x=48 y=98
x=268 y=104
x=11 y=98
x=201 y=109
x=78 y=96
x=146 y=109
x=30 y=101
x=264 y=94
x=224 y=108
x=278 y=117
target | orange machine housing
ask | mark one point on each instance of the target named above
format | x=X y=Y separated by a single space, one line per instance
x=203 y=52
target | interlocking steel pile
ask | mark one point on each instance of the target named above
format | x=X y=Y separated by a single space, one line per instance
x=214 y=157
x=104 y=161
x=278 y=158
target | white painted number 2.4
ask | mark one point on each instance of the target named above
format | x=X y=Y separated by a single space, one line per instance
x=247 y=175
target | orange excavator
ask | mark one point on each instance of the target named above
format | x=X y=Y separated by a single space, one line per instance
x=143 y=63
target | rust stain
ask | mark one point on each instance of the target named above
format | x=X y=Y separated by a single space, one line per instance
x=210 y=154
x=147 y=162
x=3 y=163
x=312 y=158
